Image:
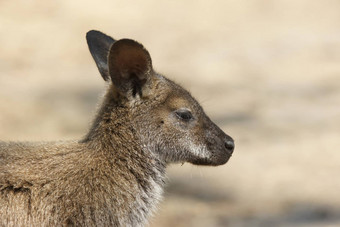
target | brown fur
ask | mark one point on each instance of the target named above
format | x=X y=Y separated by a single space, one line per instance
x=115 y=174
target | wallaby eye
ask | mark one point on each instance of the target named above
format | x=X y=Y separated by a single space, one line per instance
x=184 y=114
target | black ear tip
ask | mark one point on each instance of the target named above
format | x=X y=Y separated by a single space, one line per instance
x=90 y=35
x=91 y=31
x=97 y=35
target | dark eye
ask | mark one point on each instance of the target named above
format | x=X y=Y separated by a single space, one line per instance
x=184 y=115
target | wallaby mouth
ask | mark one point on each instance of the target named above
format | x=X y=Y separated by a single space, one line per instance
x=223 y=159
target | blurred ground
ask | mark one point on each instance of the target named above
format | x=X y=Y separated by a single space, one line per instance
x=266 y=71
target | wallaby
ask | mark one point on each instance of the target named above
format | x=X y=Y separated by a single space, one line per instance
x=114 y=176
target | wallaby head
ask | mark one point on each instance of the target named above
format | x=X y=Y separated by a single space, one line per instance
x=165 y=118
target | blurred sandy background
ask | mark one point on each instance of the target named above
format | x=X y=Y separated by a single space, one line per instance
x=267 y=72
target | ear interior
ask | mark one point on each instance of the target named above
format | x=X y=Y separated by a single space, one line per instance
x=99 y=45
x=130 y=66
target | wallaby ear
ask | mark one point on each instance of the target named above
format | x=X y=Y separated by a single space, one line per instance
x=130 y=66
x=99 y=45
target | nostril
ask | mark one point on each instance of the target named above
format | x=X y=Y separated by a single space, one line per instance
x=229 y=144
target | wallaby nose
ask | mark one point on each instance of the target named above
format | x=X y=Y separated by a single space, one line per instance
x=229 y=145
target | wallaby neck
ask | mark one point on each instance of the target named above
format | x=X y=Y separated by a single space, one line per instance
x=137 y=175
x=110 y=118
x=134 y=167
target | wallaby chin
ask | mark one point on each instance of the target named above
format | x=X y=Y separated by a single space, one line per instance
x=208 y=162
x=115 y=175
